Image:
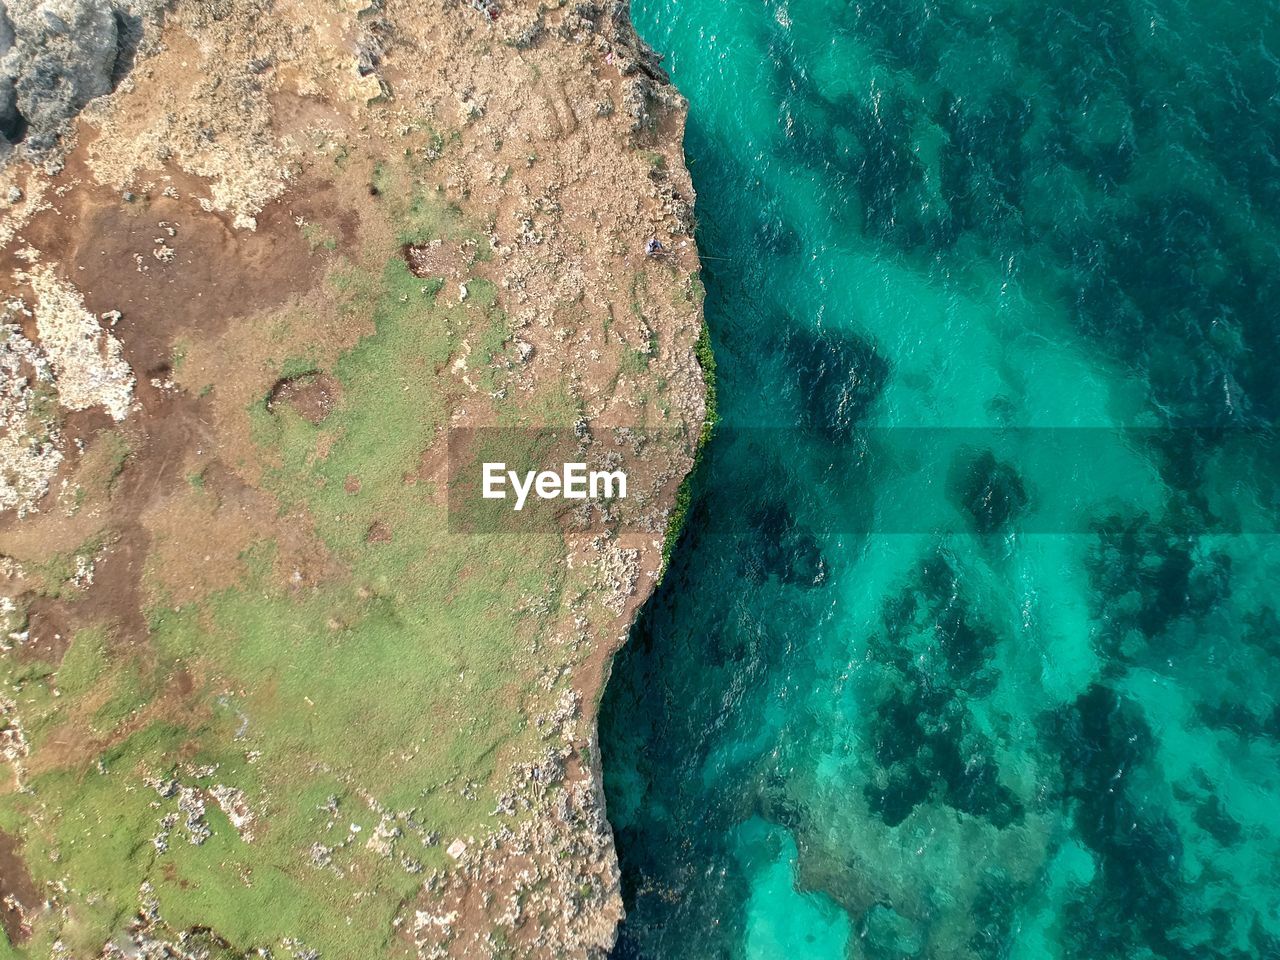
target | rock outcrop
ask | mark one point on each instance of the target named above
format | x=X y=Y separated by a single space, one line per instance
x=261 y=262
x=55 y=57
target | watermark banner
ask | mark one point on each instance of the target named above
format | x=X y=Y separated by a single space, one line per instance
x=563 y=479
x=901 y=480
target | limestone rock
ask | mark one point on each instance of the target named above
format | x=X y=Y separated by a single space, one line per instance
x=56 y=56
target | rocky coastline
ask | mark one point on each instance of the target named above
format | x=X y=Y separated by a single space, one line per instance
x=236 y=235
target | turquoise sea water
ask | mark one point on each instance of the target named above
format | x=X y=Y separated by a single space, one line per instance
x=985 y=689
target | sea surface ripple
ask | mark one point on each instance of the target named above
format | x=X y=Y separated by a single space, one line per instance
x=971 y=647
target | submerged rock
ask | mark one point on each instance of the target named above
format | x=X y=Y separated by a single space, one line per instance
x=781 y=547
x=991 y=492
x=887 y=933
x=840 y=376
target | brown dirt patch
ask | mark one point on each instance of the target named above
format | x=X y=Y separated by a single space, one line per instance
x=178 y=275
x=434 y=259
x=49 y=529
x=18 y=893
x=74 y=744
x=231 y=516
x=378 y=532
x=108 y=250
x=112 y=599
x=433 y=468
x=49 y=632
x=311 y=395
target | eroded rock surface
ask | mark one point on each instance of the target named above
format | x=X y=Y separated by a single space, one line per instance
x=55 y=57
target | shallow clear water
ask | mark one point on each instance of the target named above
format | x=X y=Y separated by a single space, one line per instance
x=1043 y=721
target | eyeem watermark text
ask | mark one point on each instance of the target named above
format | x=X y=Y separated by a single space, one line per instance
x=573 y=482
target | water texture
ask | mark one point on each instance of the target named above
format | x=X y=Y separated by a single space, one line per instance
x=1044 y=723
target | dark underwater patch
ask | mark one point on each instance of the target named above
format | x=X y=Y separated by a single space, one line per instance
x=931 y=630
x=927 y=752
x=779 y=547
x=1146 y=577
x=839 y=376
x=926 y=748
x=994 y=919
x=984 y=167
x=1146 y=293
x=989 y=491
x=1104 y=741
x=887 y=935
